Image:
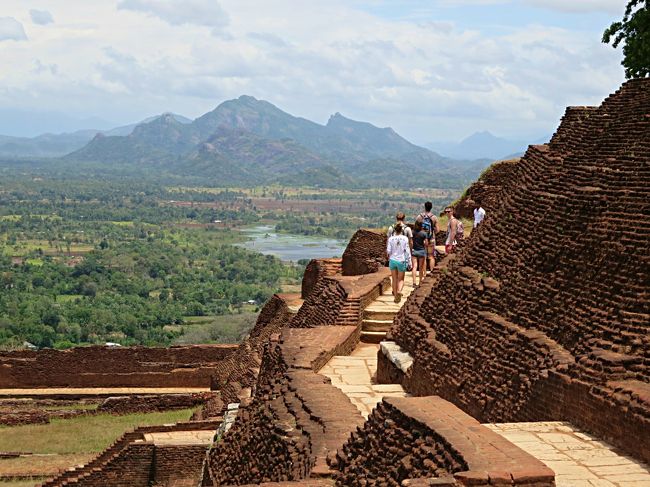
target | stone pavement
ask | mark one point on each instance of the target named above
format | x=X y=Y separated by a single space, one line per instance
x=578 y=459
x=202 y=437
x=353 y=374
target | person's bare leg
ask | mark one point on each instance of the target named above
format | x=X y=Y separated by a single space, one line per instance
x=400 y=283
x=422 y=265
x=415 y=265
x=431 y=256
x=393 y=281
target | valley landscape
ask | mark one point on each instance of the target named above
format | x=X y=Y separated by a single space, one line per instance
x=208 y=300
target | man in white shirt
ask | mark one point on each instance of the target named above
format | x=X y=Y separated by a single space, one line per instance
x=479 y=213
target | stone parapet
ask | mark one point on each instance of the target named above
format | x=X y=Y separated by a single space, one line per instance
x=429 y=441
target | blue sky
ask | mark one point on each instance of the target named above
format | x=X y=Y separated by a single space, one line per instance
x=433 y=70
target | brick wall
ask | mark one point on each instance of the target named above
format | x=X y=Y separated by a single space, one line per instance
x=296 y=418
x=554 y=284
x=365 y=253
x=176 y=465
x=187 y=366
x=430 y=438
x=154 y=402
x=316 y=269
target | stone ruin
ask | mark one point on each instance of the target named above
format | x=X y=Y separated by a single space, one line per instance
x=542 y=316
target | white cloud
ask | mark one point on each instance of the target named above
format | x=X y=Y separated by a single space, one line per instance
x=11 y=29
x=41 y=17
x=193 y=12
x=429 y=80
x=581 y=6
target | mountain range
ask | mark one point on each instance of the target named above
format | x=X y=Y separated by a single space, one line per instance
x=246 y=141
x=483 y=145
x=56 y=145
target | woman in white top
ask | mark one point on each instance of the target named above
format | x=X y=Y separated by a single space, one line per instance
x=399 y=258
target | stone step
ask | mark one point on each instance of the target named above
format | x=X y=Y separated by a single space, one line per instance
x=376 y=325
x=372 y=336
x=379 y=314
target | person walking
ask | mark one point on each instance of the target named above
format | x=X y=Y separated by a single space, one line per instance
x=406 y=230
x=399 y=257
x=430 y=226
x=453 y=235
x=479 y=213
x=419 y=252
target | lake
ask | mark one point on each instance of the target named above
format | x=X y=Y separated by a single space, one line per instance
x=289 y=247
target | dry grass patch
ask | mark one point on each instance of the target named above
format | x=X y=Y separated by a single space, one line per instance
x=42 y=465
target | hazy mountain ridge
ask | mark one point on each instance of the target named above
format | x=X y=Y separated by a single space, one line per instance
x=57 y=145
x=483 y=145
x=246 y=141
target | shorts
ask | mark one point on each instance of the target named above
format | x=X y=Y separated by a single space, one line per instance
x=419 y=253
x=395 y=265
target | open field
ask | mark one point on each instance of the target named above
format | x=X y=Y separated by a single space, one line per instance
x=77 y=441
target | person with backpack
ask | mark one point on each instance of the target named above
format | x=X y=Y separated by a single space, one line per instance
x=399 y=259
x=419 y=252
x=406 y=230
x=430 y=226
x=455 y=231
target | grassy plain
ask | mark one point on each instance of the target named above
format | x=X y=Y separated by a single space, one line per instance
x=65 y=443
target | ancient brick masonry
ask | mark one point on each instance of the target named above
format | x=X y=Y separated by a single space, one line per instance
x=154 y=402
x=487 y=189
x=112 y=367
x=132 y=462
x=236 y=375
x=295 y=419
x=551 y=307
x=429 y=438
x=316 y=269
x=365 y=253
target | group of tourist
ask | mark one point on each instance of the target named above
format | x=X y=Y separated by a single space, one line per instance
x=411 y=248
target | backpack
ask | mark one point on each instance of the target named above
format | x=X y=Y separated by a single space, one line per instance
x=427 y=224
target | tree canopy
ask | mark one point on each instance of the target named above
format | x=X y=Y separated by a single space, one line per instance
x=634 y=30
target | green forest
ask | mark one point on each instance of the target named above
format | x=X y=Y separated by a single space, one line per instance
x=90 y=258
x=91 y=262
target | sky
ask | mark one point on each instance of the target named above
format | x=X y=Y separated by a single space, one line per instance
x=431 y=69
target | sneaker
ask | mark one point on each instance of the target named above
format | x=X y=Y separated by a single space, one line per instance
x=398 y=298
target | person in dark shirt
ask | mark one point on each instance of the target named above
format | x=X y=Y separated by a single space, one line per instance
x=419 y=252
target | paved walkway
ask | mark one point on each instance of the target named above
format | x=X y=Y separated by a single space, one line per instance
x=578 y=459
x=354 y=373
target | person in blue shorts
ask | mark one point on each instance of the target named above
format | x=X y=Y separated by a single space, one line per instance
x=399 y=259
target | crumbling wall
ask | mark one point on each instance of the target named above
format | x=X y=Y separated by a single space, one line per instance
x=129 y=452
x=554 y=284
x=236 y=375
x=428 y=438
x=295 y=419
x=392 y=447
x=315 y=270
x=95 y=366
x=487 y=189
x=154 y=402
x=365 y=253
x=323 y=306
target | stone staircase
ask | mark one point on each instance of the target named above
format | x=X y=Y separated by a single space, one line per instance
x=378 y=316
